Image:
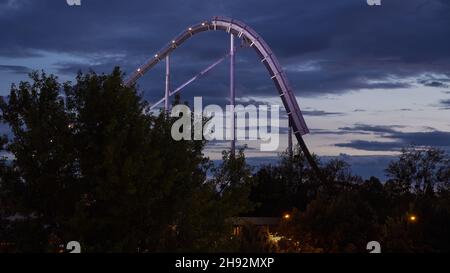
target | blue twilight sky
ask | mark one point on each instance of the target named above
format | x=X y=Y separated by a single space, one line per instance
x=370 y=79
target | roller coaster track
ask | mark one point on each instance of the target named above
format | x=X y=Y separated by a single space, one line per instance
x=253 y=40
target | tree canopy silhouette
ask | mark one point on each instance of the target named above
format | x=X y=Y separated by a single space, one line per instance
x=90 y=165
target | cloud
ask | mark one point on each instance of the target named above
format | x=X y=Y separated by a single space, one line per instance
x=435 y=84
x=438 y=81
x=323 y=48
x=320 y=113
x=17 y=69
x=372 y=145
x=434 y=138
x=445 y=103
x=365 y=128
x=316 y=131
x=7 y=6
x=395 y=140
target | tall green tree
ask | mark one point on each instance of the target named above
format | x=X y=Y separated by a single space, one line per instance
x=90 y=165
x=419 y=169
x=287 y=184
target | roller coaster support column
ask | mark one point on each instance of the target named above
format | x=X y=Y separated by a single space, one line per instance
x=167 y=94
x=290 y=148
x=232 y=96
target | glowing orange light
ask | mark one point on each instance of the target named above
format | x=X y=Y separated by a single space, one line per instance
x=412 y=218
x=287 y=216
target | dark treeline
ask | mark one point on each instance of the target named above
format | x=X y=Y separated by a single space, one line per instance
x=408 y=213
x=85 y=163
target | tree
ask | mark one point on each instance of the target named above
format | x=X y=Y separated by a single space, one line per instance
x=42 y=146
x=418 y=186
x=343 y=223
x=90 y=165
x=233 y=179
x=288 y=184
x=419 y=169
x=269 y=193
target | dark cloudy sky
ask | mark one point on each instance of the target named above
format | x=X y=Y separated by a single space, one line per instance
x=370 y=79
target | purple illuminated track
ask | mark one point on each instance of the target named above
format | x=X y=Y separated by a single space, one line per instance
x=268 y=58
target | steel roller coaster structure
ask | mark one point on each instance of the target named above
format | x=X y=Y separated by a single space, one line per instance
x=242 y=31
